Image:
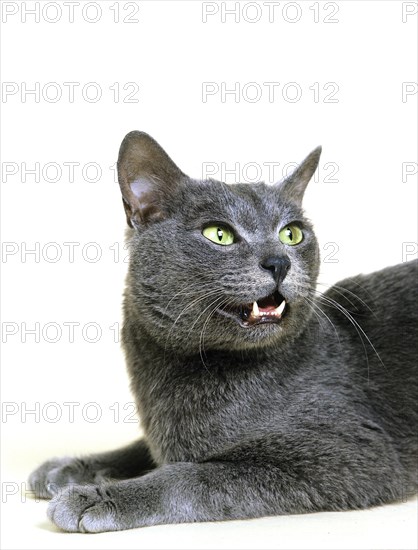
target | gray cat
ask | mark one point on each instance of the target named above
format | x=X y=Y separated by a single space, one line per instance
x=258 y=394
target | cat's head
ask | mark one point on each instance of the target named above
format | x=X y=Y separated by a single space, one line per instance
x=214 y=266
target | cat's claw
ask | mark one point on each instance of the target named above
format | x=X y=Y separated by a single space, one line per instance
x=87 y=509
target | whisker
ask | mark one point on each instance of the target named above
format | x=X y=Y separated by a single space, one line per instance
x=310 y=305
x=352 y=281
x=330 y=302
x=187 y=291
x=357 y=326
x=352 y=294
x=202 y=332
x=194 y=302
x=200 y=315
x=189 y=305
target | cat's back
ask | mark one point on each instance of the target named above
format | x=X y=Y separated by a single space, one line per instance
x=380 y=324
x=383 y=307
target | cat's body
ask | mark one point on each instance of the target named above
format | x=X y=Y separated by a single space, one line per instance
x=338 y=384
x=301 y=402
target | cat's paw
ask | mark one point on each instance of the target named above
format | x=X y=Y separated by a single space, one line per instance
x=88 y=509
x=52 y=476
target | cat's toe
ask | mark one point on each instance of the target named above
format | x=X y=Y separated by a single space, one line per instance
x=85 y=509
x=41 y=480
x=54 y=475
x=98 y=518
x=37 y=486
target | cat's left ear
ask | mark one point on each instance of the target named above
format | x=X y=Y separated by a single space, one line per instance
x=293 y=187
x=148 y=179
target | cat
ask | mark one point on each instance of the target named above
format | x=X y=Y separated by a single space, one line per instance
x=258 y=394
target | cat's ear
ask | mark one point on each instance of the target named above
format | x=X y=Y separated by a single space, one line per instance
x=293 y=186
x=147 y=177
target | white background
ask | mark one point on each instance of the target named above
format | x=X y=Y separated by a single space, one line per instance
x=366 y=219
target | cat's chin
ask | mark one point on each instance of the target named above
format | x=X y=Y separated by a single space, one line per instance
x=268 y=310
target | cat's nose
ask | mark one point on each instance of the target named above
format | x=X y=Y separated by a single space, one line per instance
x=278 y=266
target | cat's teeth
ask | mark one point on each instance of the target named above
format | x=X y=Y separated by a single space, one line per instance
x=279 y=310
x=256 y=311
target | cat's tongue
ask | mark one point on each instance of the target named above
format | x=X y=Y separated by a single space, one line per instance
x=265 y=309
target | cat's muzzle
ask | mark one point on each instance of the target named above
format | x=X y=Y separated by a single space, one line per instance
x=270 y=309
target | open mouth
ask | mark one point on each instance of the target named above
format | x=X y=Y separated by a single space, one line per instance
x=270 y=309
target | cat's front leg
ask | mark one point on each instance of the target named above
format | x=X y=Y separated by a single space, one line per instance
x=173 y=493
x=218 y=490
x=53 y=475
x=184 y=493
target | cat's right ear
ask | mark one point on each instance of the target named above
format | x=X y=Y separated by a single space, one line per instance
x=293 y=187
x=147 y=176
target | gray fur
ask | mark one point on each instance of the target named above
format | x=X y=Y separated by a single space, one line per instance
x=316 y=413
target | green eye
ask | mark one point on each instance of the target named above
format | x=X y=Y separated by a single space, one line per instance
x=219 y=234
x=291 y=235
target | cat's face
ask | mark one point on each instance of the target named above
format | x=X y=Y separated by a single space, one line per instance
x=214 y=266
